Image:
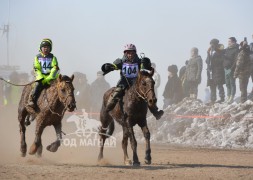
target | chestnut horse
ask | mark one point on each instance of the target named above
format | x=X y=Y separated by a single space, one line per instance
x=54 y=100
x=128 y=112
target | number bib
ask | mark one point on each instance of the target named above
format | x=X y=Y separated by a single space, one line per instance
x=130 y=70
x=45 y=64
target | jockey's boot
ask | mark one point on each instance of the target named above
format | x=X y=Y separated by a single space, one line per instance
x=32 y=101
x=113 y=99
x=155 y=112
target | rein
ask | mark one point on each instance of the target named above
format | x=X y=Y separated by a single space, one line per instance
x=16 y=84
x=144 y=96
x=65 y=106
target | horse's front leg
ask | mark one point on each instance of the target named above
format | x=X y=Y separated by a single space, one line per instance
x=55 y=145
x=38 y=132
x=22 y=129
x=127 y=161
x=133 y=145
x=146 y=134
x=102 y=133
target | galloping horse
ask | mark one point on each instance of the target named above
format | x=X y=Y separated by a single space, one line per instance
x=54 y=100
x=131 y=111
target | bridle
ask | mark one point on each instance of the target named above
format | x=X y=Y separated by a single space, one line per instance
x=142 y=95
x=64 y=102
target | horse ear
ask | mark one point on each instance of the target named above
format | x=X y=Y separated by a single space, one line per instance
x=59 y=78
x=72 y=77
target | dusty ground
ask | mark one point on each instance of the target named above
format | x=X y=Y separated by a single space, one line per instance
x=169 y=162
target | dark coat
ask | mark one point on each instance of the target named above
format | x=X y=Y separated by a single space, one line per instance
x=173 y=90
x=194 y=69
x=215 y=66
x=230 y=54
x=243 y=64
x=182 y=73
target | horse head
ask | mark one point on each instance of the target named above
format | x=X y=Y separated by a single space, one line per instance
x=145 y=86
x=65 y=90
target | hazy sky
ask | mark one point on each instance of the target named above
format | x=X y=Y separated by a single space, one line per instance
x=87 y=34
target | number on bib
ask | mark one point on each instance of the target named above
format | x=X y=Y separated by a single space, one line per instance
x=130 y=70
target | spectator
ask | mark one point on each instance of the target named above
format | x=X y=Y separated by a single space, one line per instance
x=83 y=91
x=156 y=78
x=15 y=93
x=242 y=70
x=193 y=73
x=173 y=90
x=229 y=64
x=98 y=88
x=215 y=70
x=251 y=65
x=186 y=92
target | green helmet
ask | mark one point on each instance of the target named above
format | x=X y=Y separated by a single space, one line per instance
x=46 y=42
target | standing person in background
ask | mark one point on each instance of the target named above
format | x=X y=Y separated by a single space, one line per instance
x=98 y=88
x=251 y=69
x=82 y=91
x=15 y=92
x=215 y=70
x=242 y=70
x=173 y=90
x=193 y=72
x=156 y=78
x=186 y=92
x=230 y=55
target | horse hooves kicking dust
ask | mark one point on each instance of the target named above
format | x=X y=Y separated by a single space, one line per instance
x=54 y=146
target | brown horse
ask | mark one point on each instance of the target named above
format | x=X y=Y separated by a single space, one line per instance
x=130 y=111
x=54 y=100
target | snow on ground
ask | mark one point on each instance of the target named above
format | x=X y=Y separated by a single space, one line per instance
x=193 y=123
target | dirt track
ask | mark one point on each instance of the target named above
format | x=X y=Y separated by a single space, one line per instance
x=169 y=162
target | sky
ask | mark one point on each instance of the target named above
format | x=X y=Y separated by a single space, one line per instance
x=86 y=34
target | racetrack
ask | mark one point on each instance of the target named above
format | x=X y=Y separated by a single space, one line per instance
x=168 y=161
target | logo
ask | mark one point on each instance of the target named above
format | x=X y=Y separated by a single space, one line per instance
x=86 y=133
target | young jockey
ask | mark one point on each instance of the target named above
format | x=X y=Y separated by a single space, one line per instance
x=46 y=69
x=129 y=66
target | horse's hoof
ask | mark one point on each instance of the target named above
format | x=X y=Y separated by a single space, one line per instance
x=23 y=154
x=23 y=150
x=53 y=147
x=147 y=161
x=136 y=164
x=128 y=162
x=39 y=152
x=38 y=155
x=33 y=149
x=100 y=157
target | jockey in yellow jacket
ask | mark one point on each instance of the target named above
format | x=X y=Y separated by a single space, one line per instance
x=46 y=69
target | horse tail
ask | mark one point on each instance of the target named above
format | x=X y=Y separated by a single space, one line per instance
x=110 y=129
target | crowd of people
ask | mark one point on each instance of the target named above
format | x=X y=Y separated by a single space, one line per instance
x=224 y=65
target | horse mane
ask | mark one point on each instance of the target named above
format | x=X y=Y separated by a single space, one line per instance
x=63 y=78
x=134 y=87
x=144 y=72
x=50 y=91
